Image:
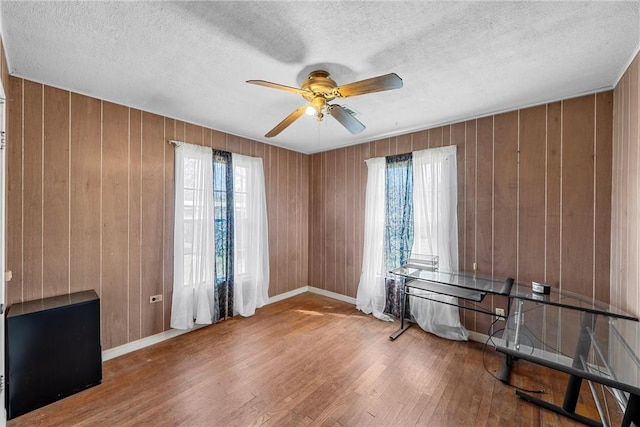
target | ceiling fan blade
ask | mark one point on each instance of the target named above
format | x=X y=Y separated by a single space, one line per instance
x=286 y=122
x=279 y=86
x=374 y=84
x=352 y=124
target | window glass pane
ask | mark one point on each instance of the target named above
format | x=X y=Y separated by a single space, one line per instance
x=219 y=176
x=187 y=270
x=190 y=172
x=240 y=180
x=188 y=237
x=241 y=260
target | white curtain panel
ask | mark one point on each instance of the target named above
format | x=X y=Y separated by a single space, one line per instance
x=194 y=252
x=251 y=235
x=435 y=199
x=370 y=298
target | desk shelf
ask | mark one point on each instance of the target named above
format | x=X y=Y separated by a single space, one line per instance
x=423 y=283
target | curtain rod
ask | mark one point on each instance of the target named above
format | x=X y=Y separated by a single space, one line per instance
x=176 y=143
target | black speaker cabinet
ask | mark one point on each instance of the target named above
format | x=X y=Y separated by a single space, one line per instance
x=52 y=350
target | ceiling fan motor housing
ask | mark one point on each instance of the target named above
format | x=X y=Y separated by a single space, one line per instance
x=320 y=84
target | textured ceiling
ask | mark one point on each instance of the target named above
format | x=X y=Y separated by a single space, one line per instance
x=190 y=60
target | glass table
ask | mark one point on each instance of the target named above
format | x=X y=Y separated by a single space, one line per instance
x=422 y=283
x=587 y=339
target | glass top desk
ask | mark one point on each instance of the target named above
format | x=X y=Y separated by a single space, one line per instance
x=424 y=283
x=584 y=338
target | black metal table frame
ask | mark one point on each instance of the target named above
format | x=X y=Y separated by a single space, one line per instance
x=576 y=375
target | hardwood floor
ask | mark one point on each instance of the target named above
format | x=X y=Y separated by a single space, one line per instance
x=308 y=360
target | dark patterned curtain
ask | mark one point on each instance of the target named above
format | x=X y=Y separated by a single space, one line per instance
x=223 y=214
x=398 y=230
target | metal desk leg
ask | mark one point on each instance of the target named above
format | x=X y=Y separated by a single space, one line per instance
x=404 y=325
x=582 y=350
x=573 y=386
x=632 y=413
x=505 y=372
x=558 y=410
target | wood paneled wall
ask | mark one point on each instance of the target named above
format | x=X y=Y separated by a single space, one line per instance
x=534 y=199
x=90 y=205
x=625 y=227
x=90 y=202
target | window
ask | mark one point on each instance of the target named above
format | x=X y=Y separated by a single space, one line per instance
x=221 y=253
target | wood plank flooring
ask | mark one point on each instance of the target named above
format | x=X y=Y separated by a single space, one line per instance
x=308 y=360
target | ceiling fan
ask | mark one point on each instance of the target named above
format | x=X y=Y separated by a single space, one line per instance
x=319 y=88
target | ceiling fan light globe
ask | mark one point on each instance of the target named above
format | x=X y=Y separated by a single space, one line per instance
x=310 y=111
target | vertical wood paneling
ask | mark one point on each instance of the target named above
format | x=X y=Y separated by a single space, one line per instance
x=85 y=164
x=436 y=137
x=167 y=241
x=616 y=193
x=510 y=174
x=282 y=222
x=135 y=221
x=315 y=203
x=33 y=182
x=272 y=216
x=484 y=208
x=553 y=200
x=234 y=144
x=292 y=200
x=56 y=195
x=15 y=168
x=468 y=217
x=152 y=210
x=340 y=222
x=382 y=148
x=115 y=224
x=577 y=194
x=420 y=140
x=602 y=244
x=446 y=135
x=531 y=195
x=505 y=182
x=630 y=185
x=403 y=144
x=193 y=134
x=458 y=138
x=625 y=202
x=218 y=140
x=470 y=196
x=505 y=186
x=4 y=68
x=330 y=221
x=90 y=205
x=484 y=196
x=350 y=204
x=303 y=229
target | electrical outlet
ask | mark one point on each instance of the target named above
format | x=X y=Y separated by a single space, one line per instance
x=500 y=314
x=155 y=298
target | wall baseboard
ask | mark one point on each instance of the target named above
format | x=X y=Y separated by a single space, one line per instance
x=172 y=333
x=333 y=295
x=145 y=342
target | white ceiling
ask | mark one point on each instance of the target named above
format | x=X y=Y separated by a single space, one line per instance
x=190 y=60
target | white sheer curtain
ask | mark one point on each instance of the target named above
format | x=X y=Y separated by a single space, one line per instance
x=370 y=297
x=194 y=251
x=251 y=239
x=435 y=198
